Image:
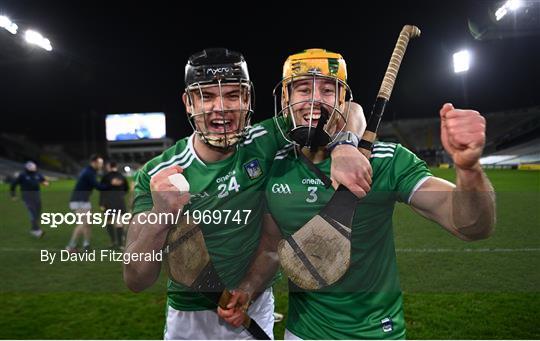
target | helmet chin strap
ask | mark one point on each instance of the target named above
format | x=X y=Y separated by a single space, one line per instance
x=312 y=137
x=320 y=137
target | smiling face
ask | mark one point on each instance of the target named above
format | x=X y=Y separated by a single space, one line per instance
x=219 y=112
x=307 y=95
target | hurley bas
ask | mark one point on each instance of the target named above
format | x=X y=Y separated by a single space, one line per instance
x=101 y=256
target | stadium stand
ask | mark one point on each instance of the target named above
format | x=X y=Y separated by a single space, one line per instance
x=10 y=169
x=20 y=149
x=526 y=153
x=512 y=137
x=15 y=150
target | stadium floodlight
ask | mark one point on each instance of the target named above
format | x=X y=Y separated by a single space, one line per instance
x=10 y=26
x=509 y=5
x=462 y=61
x=33 y=37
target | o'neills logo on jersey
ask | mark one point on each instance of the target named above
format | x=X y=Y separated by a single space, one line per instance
x=281 y=189
x=217 y=70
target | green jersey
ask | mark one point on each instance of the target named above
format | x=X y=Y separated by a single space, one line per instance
x=366 y=303
x=226 y=196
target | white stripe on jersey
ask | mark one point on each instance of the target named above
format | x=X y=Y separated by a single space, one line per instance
x=183 y=163
x=188 y=162
x=175 y=160
x=252 y=130
x=168 y=162
x=285 y=150
x=282 y=153
x=192 y=149
x=255 y=135
x=382 y=155
x=385 y=144
x=416 y=187
x=190 y=156
x=382 y=149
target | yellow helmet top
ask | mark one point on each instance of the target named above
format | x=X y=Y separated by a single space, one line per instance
x=315 y=61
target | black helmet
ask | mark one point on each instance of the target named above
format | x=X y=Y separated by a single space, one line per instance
x=211 y=65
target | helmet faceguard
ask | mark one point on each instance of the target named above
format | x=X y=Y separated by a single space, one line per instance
x=312 y=97
x=220 y=96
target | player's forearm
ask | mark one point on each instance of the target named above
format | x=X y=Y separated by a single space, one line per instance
x=473 y=204
x=260 y=274
x=265 y=263
x=356 y=121
x=139 y=275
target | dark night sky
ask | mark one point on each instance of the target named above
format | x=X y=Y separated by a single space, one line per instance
x=113 y=57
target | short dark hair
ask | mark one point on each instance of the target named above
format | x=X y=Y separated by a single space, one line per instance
x=113 y=164
x=94 y=157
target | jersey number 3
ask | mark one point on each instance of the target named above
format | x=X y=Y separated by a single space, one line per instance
x=312 y=194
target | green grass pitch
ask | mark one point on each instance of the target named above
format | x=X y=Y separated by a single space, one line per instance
x=452 y=289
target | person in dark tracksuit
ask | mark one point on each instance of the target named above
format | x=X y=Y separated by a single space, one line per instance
x=113 y=199
x=80 y=201
x=30 y=181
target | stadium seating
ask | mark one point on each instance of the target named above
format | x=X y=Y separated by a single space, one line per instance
x=511 y=137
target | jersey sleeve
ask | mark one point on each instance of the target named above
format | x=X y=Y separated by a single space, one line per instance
x=142 y=200
x=409 y=172
x=275 y=126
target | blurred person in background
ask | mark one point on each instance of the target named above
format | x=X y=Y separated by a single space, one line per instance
x=29 y=180
x=80 y=201
x=113 y=199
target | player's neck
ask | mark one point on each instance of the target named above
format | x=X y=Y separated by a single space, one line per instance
x=317 y=155
x=209 y=154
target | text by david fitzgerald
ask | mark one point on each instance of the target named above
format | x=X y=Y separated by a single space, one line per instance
x=100 y=256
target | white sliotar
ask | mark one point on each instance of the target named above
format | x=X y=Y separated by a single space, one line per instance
x=180 y=182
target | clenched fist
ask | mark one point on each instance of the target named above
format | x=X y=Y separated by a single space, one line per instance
x=167 y=198
x=463 y=135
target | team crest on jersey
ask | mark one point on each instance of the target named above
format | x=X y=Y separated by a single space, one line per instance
x=387 y=325
x=253 y=168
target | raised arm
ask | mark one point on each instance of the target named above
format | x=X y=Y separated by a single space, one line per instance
x=466 y=209
x=145 y=238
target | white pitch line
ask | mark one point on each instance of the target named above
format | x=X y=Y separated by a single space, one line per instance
x=9 y=249
x=495 y=250
x=22 y=249
x=431 y=250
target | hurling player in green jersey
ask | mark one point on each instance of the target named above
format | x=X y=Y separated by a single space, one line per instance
x=366 y=303
x=226 y=163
